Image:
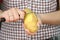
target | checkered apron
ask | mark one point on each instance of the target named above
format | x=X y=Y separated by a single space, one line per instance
x=15 y=30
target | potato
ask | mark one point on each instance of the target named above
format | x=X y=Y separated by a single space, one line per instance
x=30 y=21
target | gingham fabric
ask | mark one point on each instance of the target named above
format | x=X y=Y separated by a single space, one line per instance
x=15 y=30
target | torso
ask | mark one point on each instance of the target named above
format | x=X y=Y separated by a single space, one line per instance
x=15 y=30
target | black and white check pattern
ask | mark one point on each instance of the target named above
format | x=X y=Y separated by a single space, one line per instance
x=15 y=30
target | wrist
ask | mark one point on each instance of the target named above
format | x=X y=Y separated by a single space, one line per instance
x=39 y=18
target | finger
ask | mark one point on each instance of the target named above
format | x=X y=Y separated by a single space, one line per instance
x=39 y=22
x=23 y=25
x=21 y=13
x=5 y=15
x=10 y=16
x=15 y=14
x=28 y=32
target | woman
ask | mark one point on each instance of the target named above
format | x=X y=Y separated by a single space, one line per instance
x=15 y=30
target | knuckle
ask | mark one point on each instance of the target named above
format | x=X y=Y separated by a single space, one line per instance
x=11 y=20
x=16 y=18
x=7 y=20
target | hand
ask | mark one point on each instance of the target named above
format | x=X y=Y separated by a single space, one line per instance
x=38 y=25
x=12 y=15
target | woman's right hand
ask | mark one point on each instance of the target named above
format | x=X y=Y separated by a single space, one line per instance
x=12 y=15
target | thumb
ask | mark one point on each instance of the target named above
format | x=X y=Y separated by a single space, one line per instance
x=28 y=32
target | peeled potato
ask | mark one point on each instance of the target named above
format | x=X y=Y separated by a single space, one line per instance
x=30 y=21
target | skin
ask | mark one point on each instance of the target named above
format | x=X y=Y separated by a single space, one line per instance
x=50 y=18
x=12 y=14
